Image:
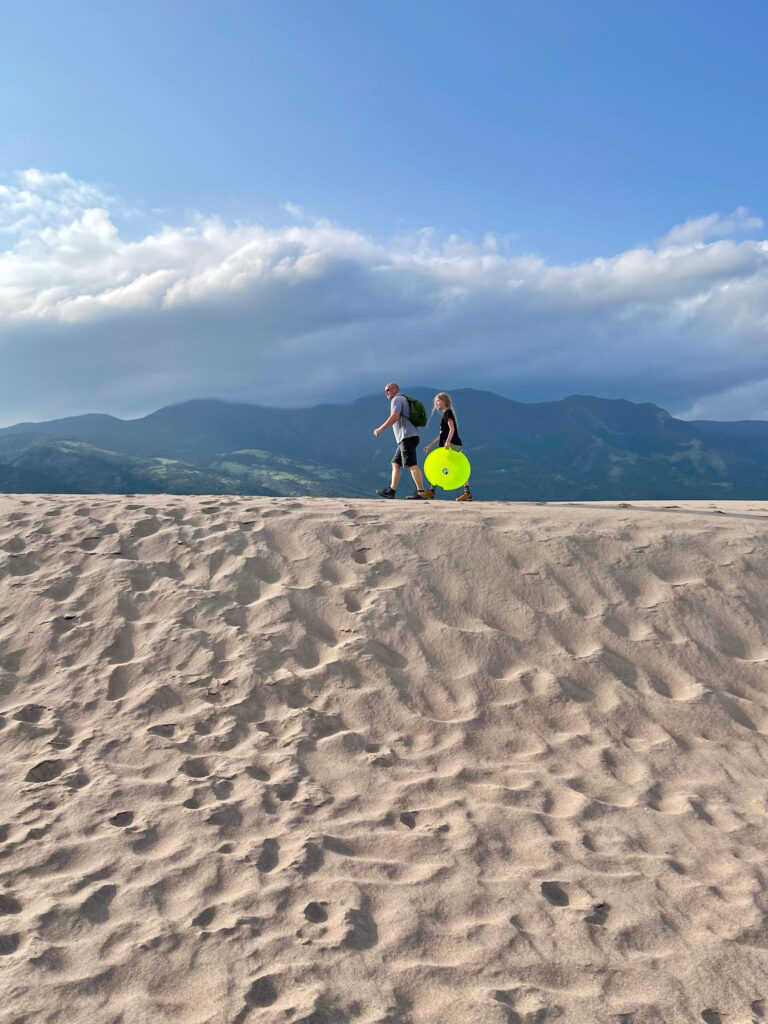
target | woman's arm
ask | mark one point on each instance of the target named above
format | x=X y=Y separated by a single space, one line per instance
x=451 y=431
x=431 y=444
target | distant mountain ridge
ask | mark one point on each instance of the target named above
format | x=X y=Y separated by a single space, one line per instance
x=577 y=448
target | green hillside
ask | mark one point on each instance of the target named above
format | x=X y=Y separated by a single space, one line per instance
x=579 y=448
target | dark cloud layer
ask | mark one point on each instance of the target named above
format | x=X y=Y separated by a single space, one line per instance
x=311 y=313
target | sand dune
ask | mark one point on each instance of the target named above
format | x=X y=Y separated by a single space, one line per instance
x=322 y=762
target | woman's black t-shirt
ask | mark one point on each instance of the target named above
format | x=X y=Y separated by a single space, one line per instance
x=444 y=428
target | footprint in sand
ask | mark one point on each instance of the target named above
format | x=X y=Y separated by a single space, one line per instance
x=11 y=661
x=599 y=914
x=225 y=818
x=96 y=907
x=142 y=579
x=676 y=866
x=146 y=840
x=45 y=771
x=9 y=904
x=554 y=894
x=222 y=789
x=89 y=544
x=9 y=943
x=144 y=528
x=20 y=565
x=122 y=819
x=165 y=730
x=262 y=992
x=269 y=856
x=574 y=690
x=63 y=624
x=195 y=768
x=204 y=918
x=30 y=714
x=362 y=932
x=316 y=913
x=310 y=859
x=61 y=589
x=119 y=681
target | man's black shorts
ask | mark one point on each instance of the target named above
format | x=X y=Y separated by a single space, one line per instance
x=405 y=455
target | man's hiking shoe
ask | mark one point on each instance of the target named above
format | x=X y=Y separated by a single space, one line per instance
x=386 y=492
x=466 y=496
x=420 y=496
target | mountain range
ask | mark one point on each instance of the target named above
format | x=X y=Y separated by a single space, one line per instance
x=576 y=449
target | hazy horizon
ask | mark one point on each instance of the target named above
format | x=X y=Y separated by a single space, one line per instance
x=343 y=401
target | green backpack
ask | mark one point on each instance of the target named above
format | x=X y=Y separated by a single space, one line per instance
x=417 y=414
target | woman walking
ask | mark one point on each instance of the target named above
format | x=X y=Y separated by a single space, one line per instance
x=449 y=436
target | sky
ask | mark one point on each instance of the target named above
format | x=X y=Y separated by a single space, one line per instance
x=290 y=202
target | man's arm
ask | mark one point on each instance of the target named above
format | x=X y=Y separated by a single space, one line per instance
x=393 y=418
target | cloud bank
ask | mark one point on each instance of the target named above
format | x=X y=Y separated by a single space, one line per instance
x=313 y=312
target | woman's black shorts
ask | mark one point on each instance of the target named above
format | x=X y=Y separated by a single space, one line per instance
x=405 y=455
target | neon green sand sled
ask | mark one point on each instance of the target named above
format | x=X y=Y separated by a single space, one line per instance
x=446 y=468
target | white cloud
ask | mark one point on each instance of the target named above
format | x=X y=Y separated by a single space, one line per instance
x=314 y=311
x=295 y=211
x=745 y=402
x=712 y=226
x=36 y=199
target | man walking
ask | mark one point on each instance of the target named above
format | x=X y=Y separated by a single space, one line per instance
x=407 y=437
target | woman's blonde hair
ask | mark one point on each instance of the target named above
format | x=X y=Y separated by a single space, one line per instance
x=443 y=397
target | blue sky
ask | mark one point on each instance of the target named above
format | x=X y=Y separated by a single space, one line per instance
x=480 y=159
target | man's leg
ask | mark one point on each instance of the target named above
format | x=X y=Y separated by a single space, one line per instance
x=389 y=492
x=418 y=479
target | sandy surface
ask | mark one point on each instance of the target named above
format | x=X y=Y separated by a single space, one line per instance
x=331 y=761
